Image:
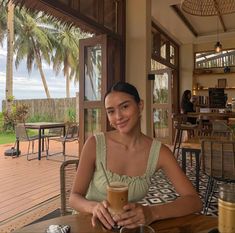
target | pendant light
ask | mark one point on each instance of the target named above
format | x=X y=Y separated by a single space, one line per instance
x=218 y=45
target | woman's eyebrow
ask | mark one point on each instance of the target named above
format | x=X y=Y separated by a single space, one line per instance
x=122 y=103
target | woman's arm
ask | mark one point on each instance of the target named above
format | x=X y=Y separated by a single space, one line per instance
x=83 y=177
x=188 y=202
x=82 y=180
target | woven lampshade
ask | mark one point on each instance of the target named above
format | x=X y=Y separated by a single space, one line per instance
x=208 y=7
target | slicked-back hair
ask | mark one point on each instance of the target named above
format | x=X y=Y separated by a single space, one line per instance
x=125 y=88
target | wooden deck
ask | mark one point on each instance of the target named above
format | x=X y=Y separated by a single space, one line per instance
x=27 y=184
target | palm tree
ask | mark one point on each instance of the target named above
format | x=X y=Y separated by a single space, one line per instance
x=67 y=53
x=3 y=21
x=33 y=41
x=9 y=64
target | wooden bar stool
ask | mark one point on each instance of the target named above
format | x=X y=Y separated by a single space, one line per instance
x=181 y=125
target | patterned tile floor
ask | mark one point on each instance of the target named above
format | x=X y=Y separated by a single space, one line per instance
x=162 y=191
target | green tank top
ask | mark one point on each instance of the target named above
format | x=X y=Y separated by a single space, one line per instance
x=138 y=186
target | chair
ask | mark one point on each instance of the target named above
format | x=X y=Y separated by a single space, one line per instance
x=218 y=163
x=52 y=132
x=220 y=128
x=22 y=136
x=67 y=174
x=71 y=135
x=181 y=125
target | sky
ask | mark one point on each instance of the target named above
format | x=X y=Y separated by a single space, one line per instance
x=29 y=86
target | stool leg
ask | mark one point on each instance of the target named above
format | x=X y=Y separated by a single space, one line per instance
x=208 y=195
x=179 y=143
x=176 y=140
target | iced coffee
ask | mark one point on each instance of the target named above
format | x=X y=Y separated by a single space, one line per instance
x=117 y=196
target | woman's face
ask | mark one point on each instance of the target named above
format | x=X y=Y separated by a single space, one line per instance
x=189 y=95
x=123 y=111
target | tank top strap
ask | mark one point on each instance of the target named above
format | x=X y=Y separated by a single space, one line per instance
x=153 y=157
x=100 y=149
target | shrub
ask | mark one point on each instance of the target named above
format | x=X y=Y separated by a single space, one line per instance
x=71 y=115
x=41 y=118
x=16 y=114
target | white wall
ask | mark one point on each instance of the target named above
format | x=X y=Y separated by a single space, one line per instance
x=138 y=50
x=186 y=68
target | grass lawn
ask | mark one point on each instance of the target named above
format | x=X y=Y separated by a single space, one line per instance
x=7 y=138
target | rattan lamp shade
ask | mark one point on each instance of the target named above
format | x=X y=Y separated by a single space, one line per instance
x=208 y=7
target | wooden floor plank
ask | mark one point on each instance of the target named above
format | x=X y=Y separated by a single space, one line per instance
x=25 y=184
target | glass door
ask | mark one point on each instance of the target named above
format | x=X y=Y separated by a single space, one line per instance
x=92 y=87
x=101 y=64
x=162 y=105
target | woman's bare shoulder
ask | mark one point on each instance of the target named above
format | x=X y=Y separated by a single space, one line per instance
x=89 y=147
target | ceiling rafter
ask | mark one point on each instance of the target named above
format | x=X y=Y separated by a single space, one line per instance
x=220 y=15
x=184 y=20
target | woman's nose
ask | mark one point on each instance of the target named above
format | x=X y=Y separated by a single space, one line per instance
x=118 y=114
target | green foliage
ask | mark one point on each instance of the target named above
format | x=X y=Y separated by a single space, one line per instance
x=161 y=95
x=71 y=115
x=1 y=122
x=41 y=118
x=7 y=137
x=17 y=113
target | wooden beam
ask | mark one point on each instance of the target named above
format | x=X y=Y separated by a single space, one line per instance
x=185 y=20
x=220 y=16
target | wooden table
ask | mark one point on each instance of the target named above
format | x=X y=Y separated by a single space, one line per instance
x=214 y=115
x=82 y=224
x=41 y=126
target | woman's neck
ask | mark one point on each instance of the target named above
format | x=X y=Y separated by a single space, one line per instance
x=129 y=140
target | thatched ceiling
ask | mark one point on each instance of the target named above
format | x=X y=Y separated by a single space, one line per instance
x=58 y=10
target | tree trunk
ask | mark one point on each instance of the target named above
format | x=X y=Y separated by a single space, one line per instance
x=67 y=87
x=9 y=65
x=39 y=64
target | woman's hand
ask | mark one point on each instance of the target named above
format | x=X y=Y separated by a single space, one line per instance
x=134 y=215
x=101 y=213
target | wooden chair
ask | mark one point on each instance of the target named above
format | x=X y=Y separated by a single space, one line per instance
x=218 y=163
x=52 y=133
x=22 y=136
x=67 y=174
x=71 y=135
x=221 y=128
x=181 y=125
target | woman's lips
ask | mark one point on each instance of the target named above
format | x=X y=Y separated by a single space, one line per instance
x=122 y=124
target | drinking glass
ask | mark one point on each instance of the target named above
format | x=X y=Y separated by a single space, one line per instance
x=139 y=229
x=117 y=196
x=226 y=208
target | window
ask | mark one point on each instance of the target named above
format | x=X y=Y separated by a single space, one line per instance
x=211 y=59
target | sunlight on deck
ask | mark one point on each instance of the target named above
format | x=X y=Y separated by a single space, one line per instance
x=29 y=189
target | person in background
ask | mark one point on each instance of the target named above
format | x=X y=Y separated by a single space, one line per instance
x=187 y=105
x=131 y=157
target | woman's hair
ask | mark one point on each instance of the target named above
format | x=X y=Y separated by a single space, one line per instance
x=185 y=97
x=126 y=88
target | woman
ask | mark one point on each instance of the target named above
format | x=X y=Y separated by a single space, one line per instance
x=131 y=157
x=187 y=105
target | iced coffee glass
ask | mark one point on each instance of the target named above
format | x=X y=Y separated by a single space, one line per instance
x=139 y=229
x=226 y=208
x=117 y=196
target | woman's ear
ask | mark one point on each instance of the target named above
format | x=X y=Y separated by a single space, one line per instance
x=141 y=106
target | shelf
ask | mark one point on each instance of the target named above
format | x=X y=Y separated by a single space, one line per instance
x=206 y=89
x=212 y=72
x=209 y=74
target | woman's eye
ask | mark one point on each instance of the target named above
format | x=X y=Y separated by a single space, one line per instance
x=125 y=106
x=110 y=112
